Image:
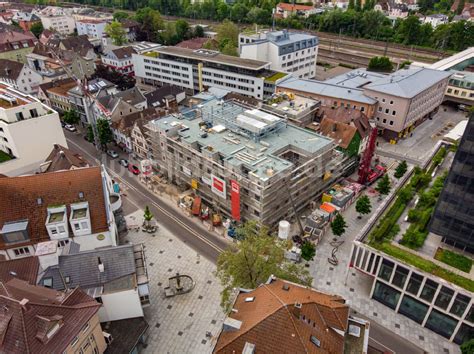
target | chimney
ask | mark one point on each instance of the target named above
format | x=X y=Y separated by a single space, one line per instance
x=296 y=309
x=100 y=265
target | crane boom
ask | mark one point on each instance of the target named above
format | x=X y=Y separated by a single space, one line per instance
x=364 y=167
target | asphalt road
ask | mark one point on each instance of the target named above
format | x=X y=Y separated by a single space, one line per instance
x=205 y=243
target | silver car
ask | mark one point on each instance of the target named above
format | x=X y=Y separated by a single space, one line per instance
x=112 y=154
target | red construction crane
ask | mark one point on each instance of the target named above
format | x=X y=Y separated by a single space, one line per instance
x=365 y=164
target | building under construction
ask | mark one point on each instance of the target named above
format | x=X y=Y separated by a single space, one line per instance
x=245 y=163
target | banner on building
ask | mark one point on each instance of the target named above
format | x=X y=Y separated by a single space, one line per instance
x=147 y=168
x=235 y=199
x=218 y=186
x=194 y=184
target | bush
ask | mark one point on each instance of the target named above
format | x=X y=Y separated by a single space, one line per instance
x=454 y=260
x=413 y=238
x=380 y=64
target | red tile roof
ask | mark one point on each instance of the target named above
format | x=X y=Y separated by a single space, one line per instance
x=23 y=268
x=194 y=43
x=62 y=158
x=290 y=7
x=23 y=326
x=19 y=199
x=273 y=323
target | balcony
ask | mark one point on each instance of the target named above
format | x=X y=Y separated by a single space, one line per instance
x=80 y=219
x=115 y=202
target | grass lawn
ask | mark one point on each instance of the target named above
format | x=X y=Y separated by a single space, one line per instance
x=275 y=77
x=4 y=157
x=424 y=264
x=454 y=260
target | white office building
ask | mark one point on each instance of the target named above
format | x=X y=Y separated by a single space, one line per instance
x=93 y=28
x=196 y=70
x=57 y=19
x=286 y=51
x=28 y=131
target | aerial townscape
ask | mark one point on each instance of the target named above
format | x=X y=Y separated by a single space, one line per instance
x=237 y=176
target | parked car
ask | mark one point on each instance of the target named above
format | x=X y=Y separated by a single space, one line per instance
x=113 y=154
x=123 y=162
x=134 y=169
x=70 y=127
x=63 y=124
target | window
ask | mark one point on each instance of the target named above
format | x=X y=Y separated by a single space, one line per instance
x=394 y=112
x=62 y=243
x=19 y=116
x=74 y=341
x=414 y=283
x=386 y=270
x=444 y=297
x=459 y=305
x=48 y=282
x=23 y=251
x=85 y=328
x=315 y=341
x=440 y=323
x=391 y=102
x=99 y=300
x=413 y=309
x=386 y=295
x=391 y=122
x=400 y=276
x=385 y=120
x=429 y=290
x=67 y=279
x=387 y=110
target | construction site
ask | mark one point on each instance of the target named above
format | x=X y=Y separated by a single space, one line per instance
x=244 y=163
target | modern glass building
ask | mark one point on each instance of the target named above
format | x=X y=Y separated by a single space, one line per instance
x=453 y=218
x=432 y=302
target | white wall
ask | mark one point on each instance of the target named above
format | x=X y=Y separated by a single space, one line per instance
x=120 y=305
x=90 y=242
x=62 y=24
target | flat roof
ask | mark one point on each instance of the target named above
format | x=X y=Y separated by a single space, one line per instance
x=325 y=89
x=213 y=57
x=237 y=149
x=355 y=78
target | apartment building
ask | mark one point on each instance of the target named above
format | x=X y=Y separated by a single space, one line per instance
x=78 y=204
x=267 y=162
x=195 y=70
x=20 y=76
x=58 y=96
x=283 y=317
x=117 y=277
x=406 y=98
x=330 y=95
x=434 y=303
x=25 y=19
x=15 y=43
x=120 y=59
x=295 y=53
x=92 y=28
x=57 y=19
x=40 y=320
x=28 y=131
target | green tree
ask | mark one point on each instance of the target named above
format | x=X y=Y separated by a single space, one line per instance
x=223 y=11
x=229 y=49
x=238 y=12
x=468 y=347
x=229 y=31
x=90 y=134
x=120 y=16
x=351 y=5
x=116 y=32
x=251 y=262
x=259 y=16
x=363 y=206
x=71 y=117
x=401 y=169
x=338 y=226
x=104 y=132
x=308 y=251
x=408 y=30
x=384 y=185
x=37 y=29
x=198 y=32
x=182 y=30
x=358 y=5
x=147 y=216
x=460 y=6
x=380 y=64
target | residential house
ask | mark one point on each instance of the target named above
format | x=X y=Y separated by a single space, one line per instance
x=57 y=19
x=132 y=29
x=92 y=28
x=121 y=104
x=19 y=75
x=350 y=128
x=83 y=105
x=122 y=128
x=26 y=19
x=58 y=97
x=40 y=320
x=15 y=43
x=284 y=317
x=120 y=59
x=6 y=17
x=196 y=43
x=166 y=96
x=286 y=51
x=43 y=88
x=28 y=130
x=285 y=10
x=62 y=159
x=435 y=19
x=76 y=204
x=117 y=277
x=140 y=142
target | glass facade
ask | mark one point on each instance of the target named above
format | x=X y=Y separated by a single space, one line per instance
x=440 y=323
x=400 y=276
x=414 y=283
x=386 y=295
x=386 y=270
x=413 y=309
x=459 y=305
x=429 y=290
x=453 y=218
x=464 y=334
x=444 y=297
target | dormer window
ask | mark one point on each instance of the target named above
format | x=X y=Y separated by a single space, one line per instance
x=15 y=231
x=80 y=219
x=56 y=223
